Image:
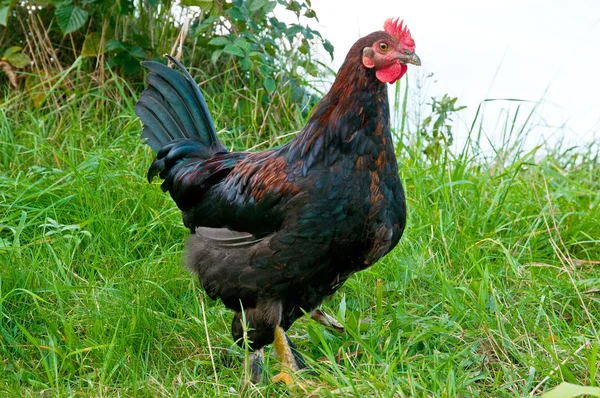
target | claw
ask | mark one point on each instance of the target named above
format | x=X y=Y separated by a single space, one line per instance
x=256 y=366
x=284 y=377
x=326 y=320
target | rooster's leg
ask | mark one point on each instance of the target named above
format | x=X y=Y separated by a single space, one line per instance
x=290 y=359
x=256 y=365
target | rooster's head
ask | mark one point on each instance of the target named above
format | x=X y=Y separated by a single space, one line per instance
x=391 y=53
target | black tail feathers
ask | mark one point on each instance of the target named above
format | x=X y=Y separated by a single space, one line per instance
x=173 y=108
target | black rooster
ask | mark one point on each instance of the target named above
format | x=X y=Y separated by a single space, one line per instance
x=275 y=232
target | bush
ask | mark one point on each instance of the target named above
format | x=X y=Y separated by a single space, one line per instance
x=214 y=33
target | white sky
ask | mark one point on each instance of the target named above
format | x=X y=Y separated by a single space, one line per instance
x=478 y=49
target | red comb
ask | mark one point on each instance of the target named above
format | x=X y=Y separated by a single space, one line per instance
x=394 y=27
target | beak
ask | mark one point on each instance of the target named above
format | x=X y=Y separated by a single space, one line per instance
x=410 y=59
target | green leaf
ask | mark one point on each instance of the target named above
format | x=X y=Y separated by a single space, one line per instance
x=269 y=7
x=342 y=309
x=4 y=15
x=70 y=17
x=277 y=24
x=18 y=60
x=215 y=56
x=264 y=69
x=257 y=54
x=328 y=47
x=126 y=7
x=270 y=85
x=568 y=390
x=295 y=7
x=11 y=50
x=293 y=30
x=310 y=13
x=91 y=45
x=125 y=59
x=114 y=45
x=138 y=52
x=304 y=48
x=257 y=5
x=205 y=26
x=243 y=44
x=207 y=6
x=233 y=50
x=312 y=69
x=236 y=14
x=219 y=41
x=246 y=63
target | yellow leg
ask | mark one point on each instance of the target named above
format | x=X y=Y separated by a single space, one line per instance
x=285 y=356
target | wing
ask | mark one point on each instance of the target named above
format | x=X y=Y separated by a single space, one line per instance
x=251 y=193
x=191 y=180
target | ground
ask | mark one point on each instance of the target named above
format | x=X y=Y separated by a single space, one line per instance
x=494 y=290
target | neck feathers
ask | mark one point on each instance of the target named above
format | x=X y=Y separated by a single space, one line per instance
x=354 y=114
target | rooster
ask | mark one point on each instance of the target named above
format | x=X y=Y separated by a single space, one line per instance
x=275 y=232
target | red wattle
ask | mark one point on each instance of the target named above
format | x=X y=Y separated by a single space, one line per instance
x=392 y=73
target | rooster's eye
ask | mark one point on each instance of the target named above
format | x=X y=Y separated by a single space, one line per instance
x=383 y=46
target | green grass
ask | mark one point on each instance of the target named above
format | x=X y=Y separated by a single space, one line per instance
x=494 y=290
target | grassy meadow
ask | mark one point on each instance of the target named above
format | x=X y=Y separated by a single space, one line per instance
x=493 y=291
